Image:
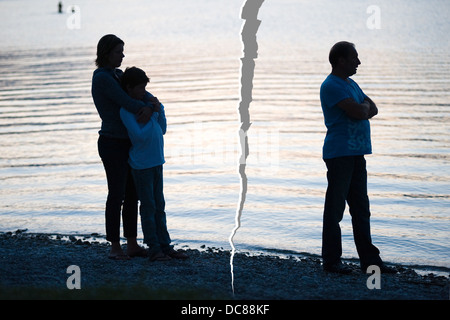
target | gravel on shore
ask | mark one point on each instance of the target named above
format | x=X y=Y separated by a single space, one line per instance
x=29 y=261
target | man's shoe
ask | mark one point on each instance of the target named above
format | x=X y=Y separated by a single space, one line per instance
x=383 y=269
x=338 y=268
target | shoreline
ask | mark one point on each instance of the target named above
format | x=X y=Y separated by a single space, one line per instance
x=100 y=239
x=39 y=261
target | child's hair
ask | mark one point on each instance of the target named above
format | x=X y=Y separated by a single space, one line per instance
x=132 y=77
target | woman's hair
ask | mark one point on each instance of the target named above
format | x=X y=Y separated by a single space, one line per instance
x=340 y=50
x=132 y=77
x=105 y=45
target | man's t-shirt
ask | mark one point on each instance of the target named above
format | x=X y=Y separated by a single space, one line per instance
x=345 y=136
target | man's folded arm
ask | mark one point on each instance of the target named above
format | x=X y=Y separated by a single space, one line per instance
x=358 y=111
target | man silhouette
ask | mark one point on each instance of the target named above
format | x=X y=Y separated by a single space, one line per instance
x=347 y=111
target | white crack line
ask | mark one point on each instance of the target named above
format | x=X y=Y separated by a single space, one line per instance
x=249 y=13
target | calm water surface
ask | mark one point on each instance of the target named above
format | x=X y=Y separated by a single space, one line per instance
x=52 y=180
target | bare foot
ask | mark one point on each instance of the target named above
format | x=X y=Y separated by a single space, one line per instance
x=135 y=250
x=116 y=252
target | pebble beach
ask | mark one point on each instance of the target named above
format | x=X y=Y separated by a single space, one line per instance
x=36 y=261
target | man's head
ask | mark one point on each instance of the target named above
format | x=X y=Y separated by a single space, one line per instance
x=134 y=81
x=344 y=58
